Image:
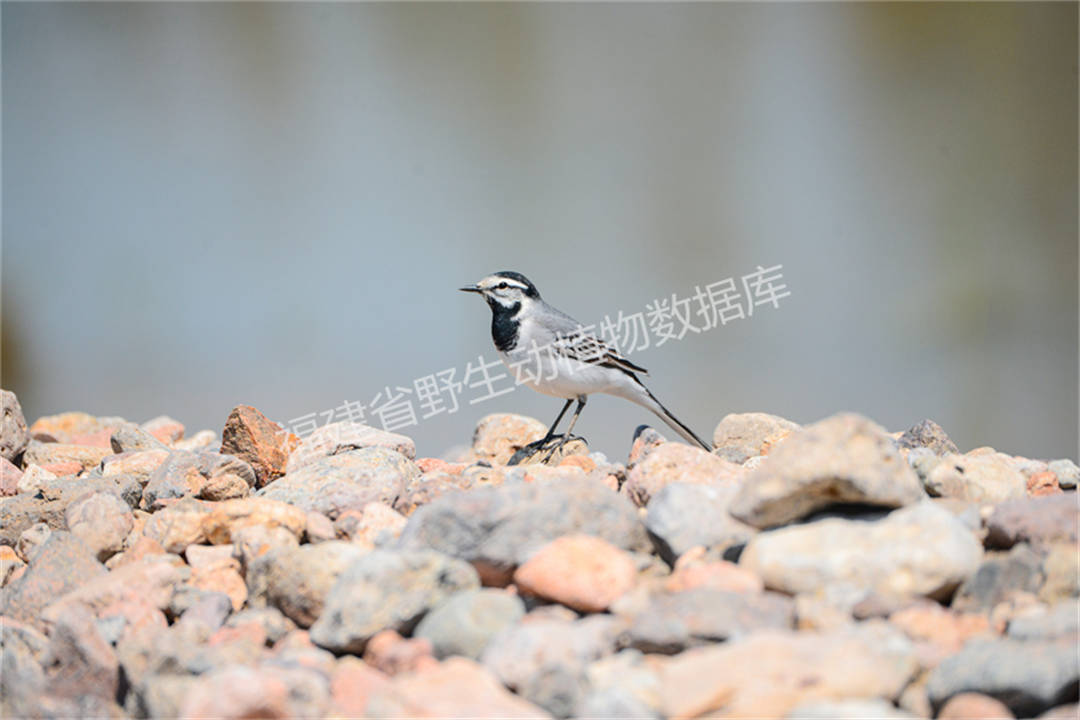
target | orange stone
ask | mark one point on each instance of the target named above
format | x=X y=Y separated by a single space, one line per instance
x=582 y=572
x=974 y=706
x=1043 y=483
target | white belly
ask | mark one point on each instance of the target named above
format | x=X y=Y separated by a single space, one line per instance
x=560 y=377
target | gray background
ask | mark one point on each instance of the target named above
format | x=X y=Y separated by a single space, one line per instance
x=206 y=205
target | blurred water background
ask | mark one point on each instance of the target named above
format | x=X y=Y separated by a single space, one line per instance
x=273 y=204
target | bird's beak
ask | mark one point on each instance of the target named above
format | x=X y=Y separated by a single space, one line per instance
x=470 y=288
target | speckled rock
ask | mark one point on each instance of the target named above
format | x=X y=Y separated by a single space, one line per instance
x=676 y=462
x=1028 y=677
x=13 y=432
x=258 y=441
x=842 y=459
x=1039 y=521
x=467 y=621
x=342 y=437
x=673 y=622
x=544 y=661
x=60 y=565
x=456 y=688
x=982 y=478
x=9 y=478
x=772 y=672
x=47 y=454
x=919 y=550
x=387 y=590
x=497 y=437
x=102 y=521
x=741 y=436
x=299 y=579
x=682 y=516
x=129 y=437
x=928 y=434
x=347 y=480
x=227 y=518
x=207 y=475
x=498 y=528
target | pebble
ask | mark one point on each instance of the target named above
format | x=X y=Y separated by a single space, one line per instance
x=921 y=550
x=497 y=437
x=673 y=622
x=348 y=480
x=582 y=572
x=129 y=437
x=741 y=436
x=376 y=525
x=998 y=578
x=300 y=578
x=59 y=565
x=683 y=516
x=456 y=688
x=392 y=654
x=384 y=590
x=843 y=459
x=770 y=673
x=1040 y=521
x=982 y=478
x=165 y=429
x=498 y=528
x=676 y=462
x=102 y=521
x=973 y=706
x=258 y=441
x=62 y=454
x=1067 y=473
x=466 y=622
x=1029 y=677
x=693 y=571
x=13 y=433
x=929 y=435
x=340 y=437
x=225 y=519
x=207 y=475
x=9 y=478
x=544 y=660
x=33 y=479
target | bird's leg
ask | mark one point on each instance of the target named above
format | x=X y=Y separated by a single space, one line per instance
x=573 y=419
x=551 y=430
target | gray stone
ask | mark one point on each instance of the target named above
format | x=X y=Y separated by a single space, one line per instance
x=387 y=590
x=50 y=502
x=13 y=433
x=61 y=564
x=625 y=684
x=129 y=437
x=922 y=550
x=1037 y=520
x=1060 y=620
x=201 y=474
x=272 y=621
x=465 y=623
x=1067 y=473
x=299 y=579
x=928 y=434
x=741 y=436
x=673 y=622
x=22 y=679
x=79 y=661
x=347 y=480
x=1029 y=677
x=682 y=516
x=842 y=459
x=342 y=437
x=986 y=478
x=998 y=577
x=544 y=661
x=102 y=521
x=498 y=528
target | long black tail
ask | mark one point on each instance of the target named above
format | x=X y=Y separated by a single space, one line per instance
x=649 y=401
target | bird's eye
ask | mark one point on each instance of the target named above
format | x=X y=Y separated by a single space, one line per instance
x=503 y=286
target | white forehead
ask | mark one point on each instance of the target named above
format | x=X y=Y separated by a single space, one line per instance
x=495 y=280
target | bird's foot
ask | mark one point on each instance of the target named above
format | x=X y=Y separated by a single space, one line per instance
x=550 y=451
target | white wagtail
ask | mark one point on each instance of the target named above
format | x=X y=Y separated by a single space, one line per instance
x=550 y=352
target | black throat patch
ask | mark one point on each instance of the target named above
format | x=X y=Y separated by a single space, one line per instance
x=504 y=328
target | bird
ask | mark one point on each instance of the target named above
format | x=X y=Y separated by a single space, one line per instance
x=554 y=354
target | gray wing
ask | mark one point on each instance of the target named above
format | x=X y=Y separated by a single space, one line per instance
x=572 y=341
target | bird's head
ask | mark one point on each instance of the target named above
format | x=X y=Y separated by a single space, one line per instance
x=505 y=289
